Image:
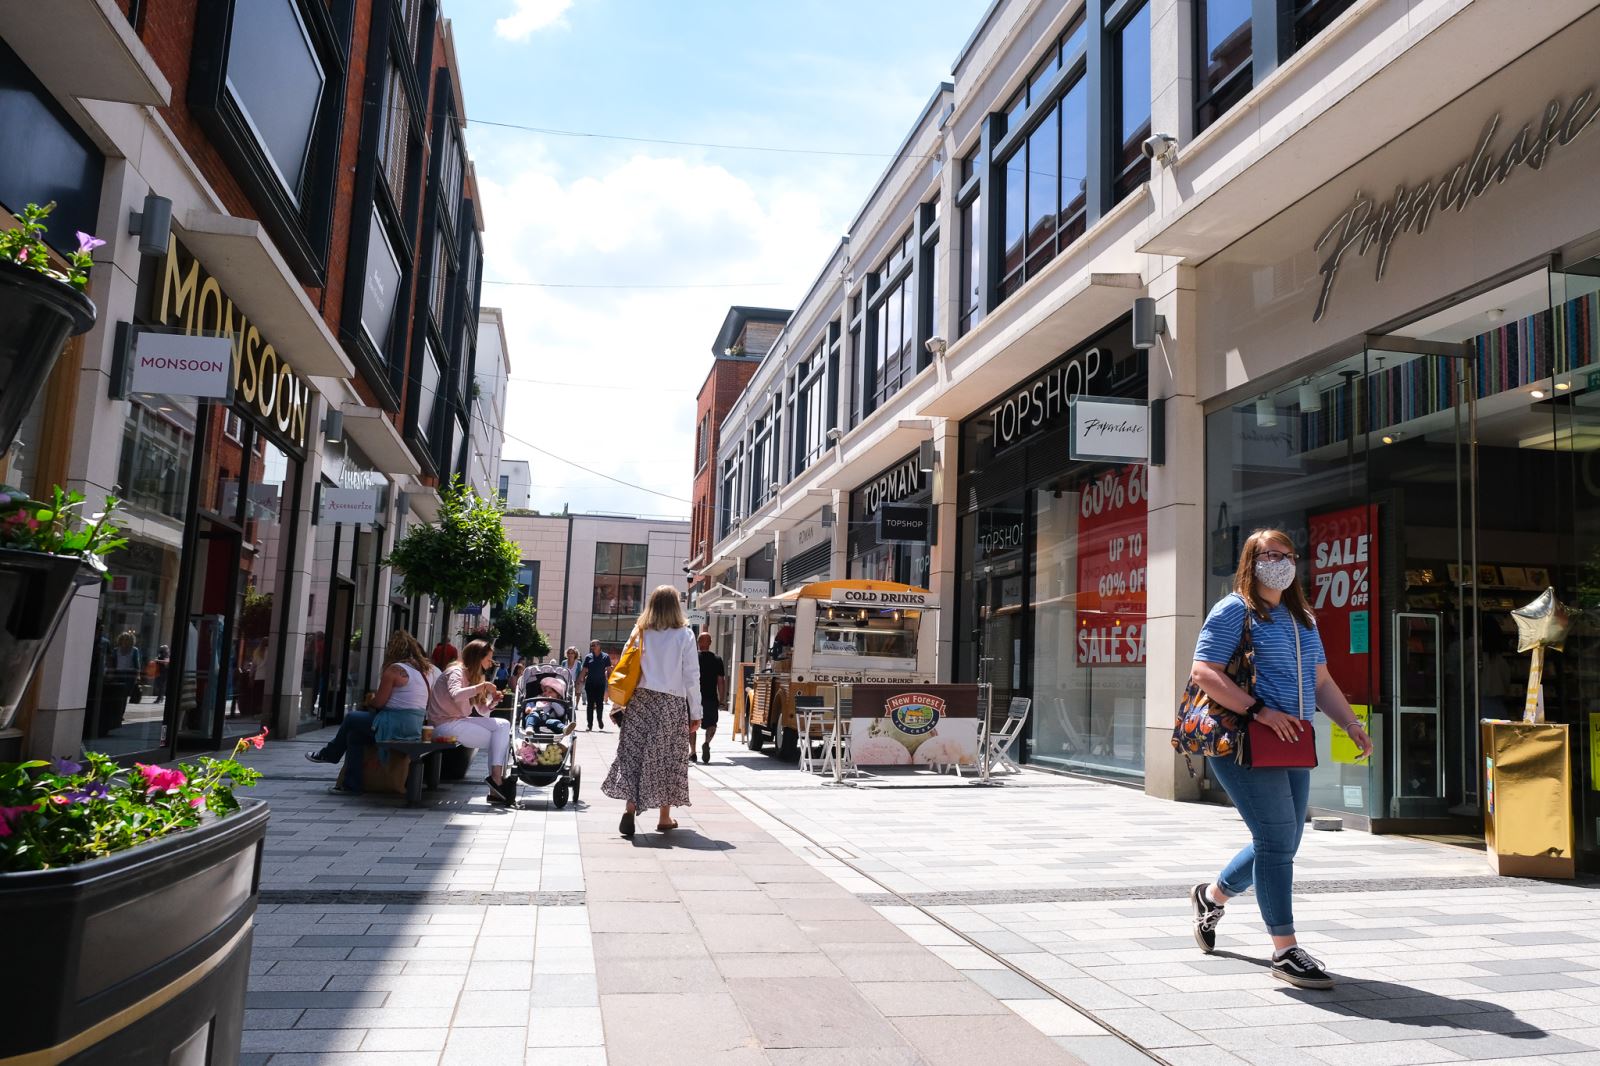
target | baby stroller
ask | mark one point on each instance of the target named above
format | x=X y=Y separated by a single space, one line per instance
x=544 y=748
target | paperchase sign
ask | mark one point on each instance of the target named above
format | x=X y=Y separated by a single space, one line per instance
x=182 y=366
x=1110 y=430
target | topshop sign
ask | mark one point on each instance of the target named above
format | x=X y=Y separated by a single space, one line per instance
x=1366 y=224
x=1045 y=398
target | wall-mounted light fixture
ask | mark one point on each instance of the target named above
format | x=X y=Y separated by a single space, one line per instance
x=153 y=225
x=1266 y=413
x=925 y=457
x=333 y=426
x=1147 y=325
x=1310 y=396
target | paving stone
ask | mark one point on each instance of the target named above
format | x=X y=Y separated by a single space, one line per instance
x=917 y=999
x=812 y=1012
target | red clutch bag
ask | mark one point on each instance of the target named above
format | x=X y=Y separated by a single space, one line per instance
x=1265 y=750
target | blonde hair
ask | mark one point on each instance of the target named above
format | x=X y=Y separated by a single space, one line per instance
x=663 y=610
x=1244 y=579
x=403 y=648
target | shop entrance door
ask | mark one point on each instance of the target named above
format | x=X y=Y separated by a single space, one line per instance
x=999 y=585
x=337 y=684
x=206 y=679
x=1425 y=590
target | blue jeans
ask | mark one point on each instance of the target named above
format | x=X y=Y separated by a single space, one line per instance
x=1273 y=806
x=350 y=744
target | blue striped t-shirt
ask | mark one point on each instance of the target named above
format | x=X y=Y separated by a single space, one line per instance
x=1274 y=643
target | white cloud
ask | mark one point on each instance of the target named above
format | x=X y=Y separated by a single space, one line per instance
x=641 y=219
x=531 y=16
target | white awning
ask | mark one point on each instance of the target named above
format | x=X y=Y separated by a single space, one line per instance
x=84 y=49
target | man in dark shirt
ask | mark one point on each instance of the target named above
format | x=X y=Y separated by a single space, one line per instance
x=593 y=673
x=713 y=694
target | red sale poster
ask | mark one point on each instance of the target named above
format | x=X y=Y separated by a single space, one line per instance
x=1342 y=582
x=1112 y=550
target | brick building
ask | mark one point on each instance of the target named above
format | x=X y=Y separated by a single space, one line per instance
x=325 y=236
x=747 y=334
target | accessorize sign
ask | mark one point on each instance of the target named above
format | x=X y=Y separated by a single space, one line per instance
x=1112 y=567
x=262 y=380
x=1110 y=430
x=175 y=365
x=1340 y=574
x=1366 y=224
x=353 y=507
x=914 y=725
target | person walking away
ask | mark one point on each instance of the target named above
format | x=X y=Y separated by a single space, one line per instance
x=462 y=700
x=650 y=769
x=127 y=662
x=713 y=694
x=394 y=712
x=162 y=662
x=573 y=667
x=594 y=672
x=1291 y=682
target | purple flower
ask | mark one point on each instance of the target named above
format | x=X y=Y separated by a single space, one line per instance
x=66 y=766
x=87 y=243
x=96 y=790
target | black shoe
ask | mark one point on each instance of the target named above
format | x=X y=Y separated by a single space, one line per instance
x=625 y=827
x=1297 y=967
x=317 y=756
x=705 y=752
x=340 y=790
x=1206 y=917
x=504 y=794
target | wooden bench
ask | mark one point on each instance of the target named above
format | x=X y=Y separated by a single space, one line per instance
x=426 y=758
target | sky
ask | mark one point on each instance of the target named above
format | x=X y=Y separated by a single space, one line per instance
x=627 y=254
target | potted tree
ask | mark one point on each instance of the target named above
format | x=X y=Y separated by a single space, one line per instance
x=40 y=307
x=519 y=628
x=464 y=558
x=131 y=892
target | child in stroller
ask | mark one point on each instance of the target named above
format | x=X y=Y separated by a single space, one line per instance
x=545 y=708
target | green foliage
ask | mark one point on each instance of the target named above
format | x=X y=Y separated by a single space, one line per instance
x=518 y=627
x=25 y=246
x=61 y=813
x=57 y=527
x=464 y=558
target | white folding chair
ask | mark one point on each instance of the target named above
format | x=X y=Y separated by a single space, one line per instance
x=809 y=717
x=1000 y=741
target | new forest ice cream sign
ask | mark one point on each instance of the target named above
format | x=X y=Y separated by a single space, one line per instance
x=914 y=725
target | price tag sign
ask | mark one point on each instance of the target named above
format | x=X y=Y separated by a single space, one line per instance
x=1340 y=572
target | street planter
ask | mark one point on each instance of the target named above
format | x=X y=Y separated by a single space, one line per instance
x=140 y=957
x=37 y=315
x=35 y=589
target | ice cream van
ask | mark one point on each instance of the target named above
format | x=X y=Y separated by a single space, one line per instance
x=825 y=637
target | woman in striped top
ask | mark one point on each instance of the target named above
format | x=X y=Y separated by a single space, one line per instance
x=1289 y=687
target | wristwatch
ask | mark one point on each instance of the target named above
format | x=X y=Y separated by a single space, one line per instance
x=1254 y=709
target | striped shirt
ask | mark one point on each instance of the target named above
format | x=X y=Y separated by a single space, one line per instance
x=1274 y=644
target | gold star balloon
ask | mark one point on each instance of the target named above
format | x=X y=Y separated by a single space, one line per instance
x=1543 y=623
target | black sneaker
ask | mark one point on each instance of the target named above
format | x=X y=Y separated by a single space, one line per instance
x=1298 y=968
x=1206 y=917
x=705 y=753
x=316 y=756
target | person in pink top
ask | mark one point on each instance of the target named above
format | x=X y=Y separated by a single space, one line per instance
x=459 y=710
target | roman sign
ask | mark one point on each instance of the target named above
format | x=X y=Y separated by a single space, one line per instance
x=755 y=588
x=181 y=366
x=904 y=525
x=1366 y=224
x=1045 y=398
x=893 y=485
x=353 y=507
x=1112 y=430
x=262 y=380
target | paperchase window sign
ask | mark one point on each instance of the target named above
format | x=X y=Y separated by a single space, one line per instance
x=173 y=365
x=1108 y=429
x=262 y=380
x=1366 y=224
x=352 y=507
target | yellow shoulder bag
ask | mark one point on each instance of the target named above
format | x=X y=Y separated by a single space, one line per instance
x=625 y=675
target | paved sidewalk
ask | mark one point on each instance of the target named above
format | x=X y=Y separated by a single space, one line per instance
x=792 y=922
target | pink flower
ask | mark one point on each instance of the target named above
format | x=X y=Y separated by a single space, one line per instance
x=157 y=780
x=22 y=256
x=9 y=816
x=196 y=801
x=258 y=741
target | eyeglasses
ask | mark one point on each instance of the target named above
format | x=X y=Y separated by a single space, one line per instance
x=1276 y=556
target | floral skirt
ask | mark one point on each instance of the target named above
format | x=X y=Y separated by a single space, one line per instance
x=652 y=765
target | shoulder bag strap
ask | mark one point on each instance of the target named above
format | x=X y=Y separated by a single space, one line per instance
x=1299 y=679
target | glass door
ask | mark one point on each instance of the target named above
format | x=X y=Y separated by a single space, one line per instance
x=206 y=678
x=997 y=603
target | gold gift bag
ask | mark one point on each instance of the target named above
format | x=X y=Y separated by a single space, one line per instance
x=1527 y=782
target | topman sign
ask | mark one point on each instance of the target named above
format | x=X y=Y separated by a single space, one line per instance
x=262 y=380
x=892 y=486
x=1366 y=224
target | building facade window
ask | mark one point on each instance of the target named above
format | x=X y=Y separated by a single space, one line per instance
x=969 y=209
x=858 y=384
x=394 y=135
x=893 y=307
x=276 y=81
x=1044 y=167
x=763 y=449
x=702 y=442
x=729 y=510
x=1223 y=72
x=1132 y=124
x=381 y=293
x=427 y=406
x=811 y=413
x=1311 y=17
x=619 y=573
x=930 y=279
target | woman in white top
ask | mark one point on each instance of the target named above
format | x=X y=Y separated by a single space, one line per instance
x=652 y=765
x=396 y=710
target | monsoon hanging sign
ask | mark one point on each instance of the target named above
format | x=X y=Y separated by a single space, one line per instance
x=914 y=725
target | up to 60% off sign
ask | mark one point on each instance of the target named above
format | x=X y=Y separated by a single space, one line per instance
x=1112 y=563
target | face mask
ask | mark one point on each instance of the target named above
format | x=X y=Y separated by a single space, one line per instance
x=1276 y=576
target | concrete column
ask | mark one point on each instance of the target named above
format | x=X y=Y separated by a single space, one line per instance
x=301 y=572
x=944 y=568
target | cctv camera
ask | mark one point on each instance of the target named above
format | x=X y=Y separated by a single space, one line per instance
x=1161 y=147
x=835 y=435
x=935 y=345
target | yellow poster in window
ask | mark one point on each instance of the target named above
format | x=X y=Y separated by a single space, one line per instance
x=1344 y=749
x=1594 y=752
